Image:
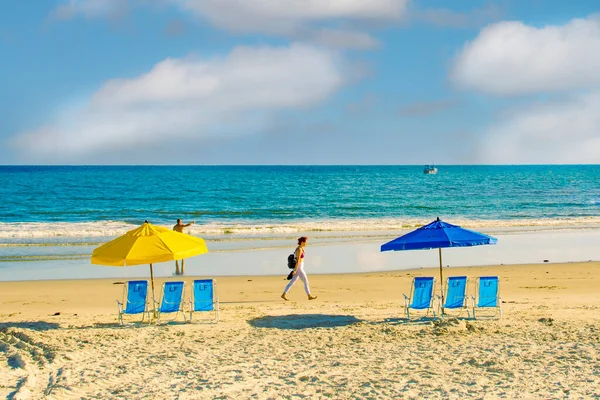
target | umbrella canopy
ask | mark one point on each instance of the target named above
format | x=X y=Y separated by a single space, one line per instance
x=437 y=235
x=148 y=244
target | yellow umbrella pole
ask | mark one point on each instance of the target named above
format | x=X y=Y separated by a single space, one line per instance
x=153 y=301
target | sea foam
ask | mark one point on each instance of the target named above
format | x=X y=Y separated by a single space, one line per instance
x=335 y=227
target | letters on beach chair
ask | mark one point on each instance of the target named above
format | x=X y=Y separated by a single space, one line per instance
x=421 y=295
x=204 y=298
x=455 y=295
x=488 y=295
x=134 y=299
x=172 y=299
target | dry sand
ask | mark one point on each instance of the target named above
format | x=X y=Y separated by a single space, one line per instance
x=352 y=342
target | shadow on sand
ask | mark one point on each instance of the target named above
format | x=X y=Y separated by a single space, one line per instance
x=33 y=325
x=116 y=325
x=303 y=321
x=138 y=324
x=406 y=321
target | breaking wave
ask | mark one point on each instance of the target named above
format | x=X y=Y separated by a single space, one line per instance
x=336 y=227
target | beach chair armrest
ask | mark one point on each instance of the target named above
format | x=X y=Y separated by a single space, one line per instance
x=406 y=300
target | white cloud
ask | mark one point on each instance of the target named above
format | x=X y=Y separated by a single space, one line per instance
x=321 y=22
x=192 y=99
x=279 y=16
x=511 y=58
x=560 y=132
x=342 y=39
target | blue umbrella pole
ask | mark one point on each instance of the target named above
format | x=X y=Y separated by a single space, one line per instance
x=441 y=280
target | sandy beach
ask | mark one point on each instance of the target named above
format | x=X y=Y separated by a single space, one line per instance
x=60 y=339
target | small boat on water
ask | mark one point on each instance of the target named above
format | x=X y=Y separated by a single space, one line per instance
x=430 y=170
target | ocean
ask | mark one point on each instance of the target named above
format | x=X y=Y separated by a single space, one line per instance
x=58 y=214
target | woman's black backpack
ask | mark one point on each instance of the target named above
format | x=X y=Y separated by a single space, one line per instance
x=292 y=261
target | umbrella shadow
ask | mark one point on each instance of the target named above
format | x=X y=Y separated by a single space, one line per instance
x=33 y=325
x=303 y=321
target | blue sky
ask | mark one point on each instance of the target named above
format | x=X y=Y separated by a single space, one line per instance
x=299 y=82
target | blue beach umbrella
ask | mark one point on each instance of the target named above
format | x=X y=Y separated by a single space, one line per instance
x=437 y=235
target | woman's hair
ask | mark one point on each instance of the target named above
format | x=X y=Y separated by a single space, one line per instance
x=301 y=240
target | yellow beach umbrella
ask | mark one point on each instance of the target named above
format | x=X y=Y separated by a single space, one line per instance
x=148 y=244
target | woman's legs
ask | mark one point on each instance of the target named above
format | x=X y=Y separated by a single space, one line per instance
x=291 y=283
x=302 y=275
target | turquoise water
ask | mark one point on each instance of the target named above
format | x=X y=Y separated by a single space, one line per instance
x=256 y=195
x=59 y=213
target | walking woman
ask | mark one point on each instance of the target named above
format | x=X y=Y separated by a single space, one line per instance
x=299 y=270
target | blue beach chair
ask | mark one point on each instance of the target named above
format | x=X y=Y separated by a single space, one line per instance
x=456 y=295
x=488 y=295
x=422 y=295
x=204 y=298
x=134 y=299
x=172 y=299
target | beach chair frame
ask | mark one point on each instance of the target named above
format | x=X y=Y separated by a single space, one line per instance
x=476 y=299
x=215 y=300
x=408 y=301
x=442 y=307
x=122 y=306
x=179 y=309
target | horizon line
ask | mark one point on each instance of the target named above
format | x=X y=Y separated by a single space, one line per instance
x=291 y=165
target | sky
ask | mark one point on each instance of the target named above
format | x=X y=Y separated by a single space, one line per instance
x=211 y=82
